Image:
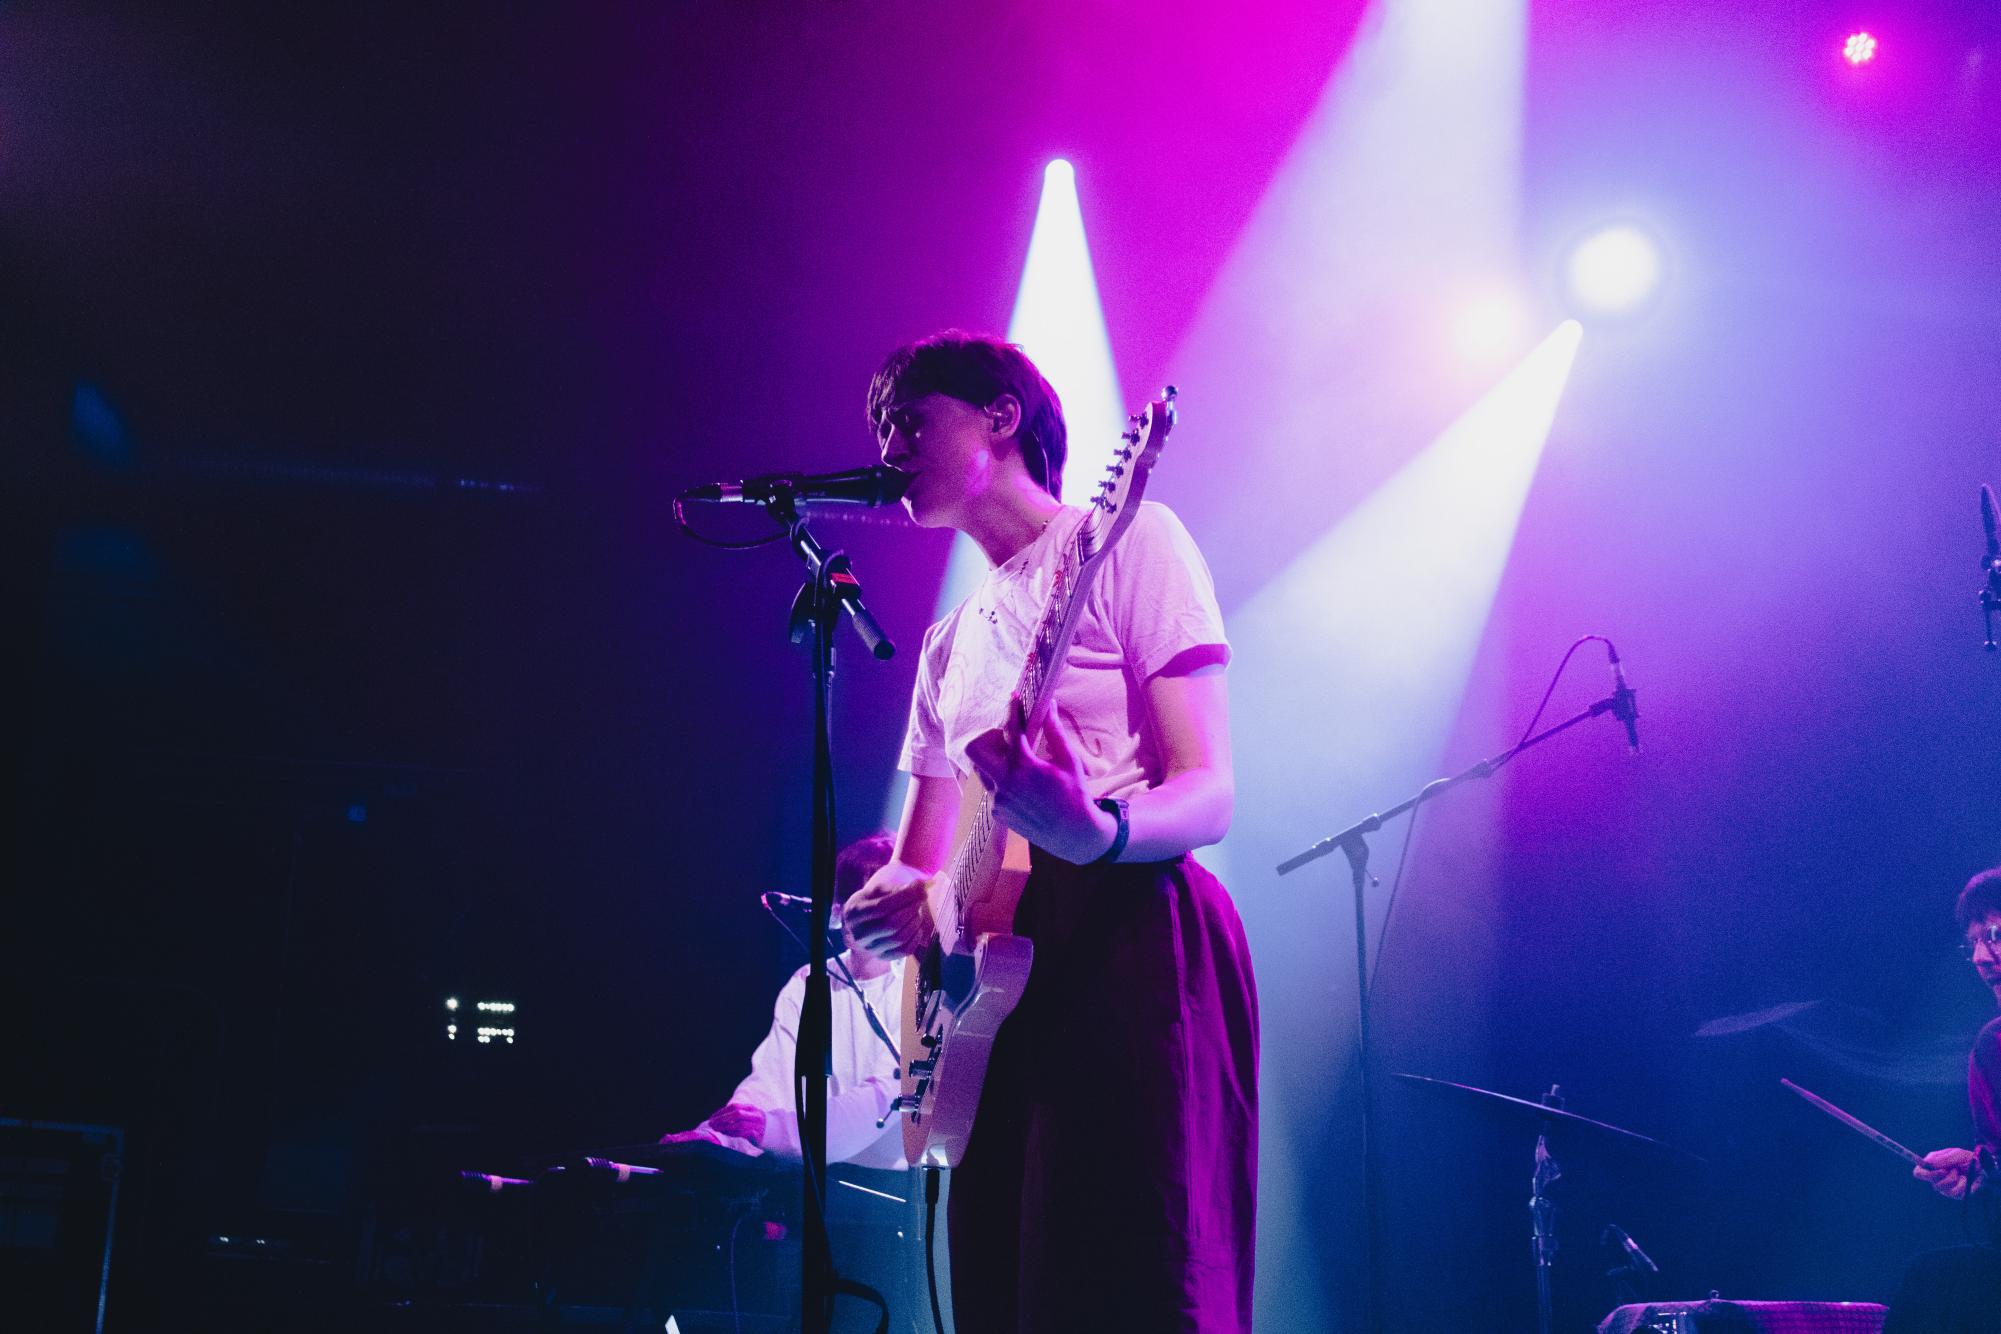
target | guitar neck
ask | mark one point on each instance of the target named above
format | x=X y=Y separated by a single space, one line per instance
x=977 y=856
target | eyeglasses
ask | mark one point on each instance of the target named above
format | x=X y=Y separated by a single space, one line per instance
x=1989 y=936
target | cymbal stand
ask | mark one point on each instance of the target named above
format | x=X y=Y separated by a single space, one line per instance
x=1542 y=1211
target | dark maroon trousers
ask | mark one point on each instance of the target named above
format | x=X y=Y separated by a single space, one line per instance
x=1111 y=1179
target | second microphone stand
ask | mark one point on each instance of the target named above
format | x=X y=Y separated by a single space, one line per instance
x=1353 y=842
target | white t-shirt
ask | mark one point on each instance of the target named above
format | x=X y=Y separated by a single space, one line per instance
x=1152 y=601
x=858 y=1095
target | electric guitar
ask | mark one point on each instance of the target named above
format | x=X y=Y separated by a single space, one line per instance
x=964 y=984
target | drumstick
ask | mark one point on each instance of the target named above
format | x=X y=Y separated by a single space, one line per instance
x=1859 y=1127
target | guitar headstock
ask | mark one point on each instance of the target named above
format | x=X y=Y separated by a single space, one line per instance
x=1124 y=482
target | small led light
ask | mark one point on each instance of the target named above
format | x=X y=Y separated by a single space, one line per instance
x=1860 y=49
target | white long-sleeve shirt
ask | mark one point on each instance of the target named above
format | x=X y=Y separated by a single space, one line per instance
x=864 y=1075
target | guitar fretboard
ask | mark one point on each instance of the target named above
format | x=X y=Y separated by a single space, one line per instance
x=972 y=865
x=976 y=861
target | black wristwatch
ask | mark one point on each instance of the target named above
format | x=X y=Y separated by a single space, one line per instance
x=1116 y=808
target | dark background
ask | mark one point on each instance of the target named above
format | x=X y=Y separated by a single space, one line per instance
x=349 y=357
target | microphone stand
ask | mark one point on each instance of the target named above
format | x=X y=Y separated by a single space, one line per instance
x=1990 y=564
x=830 y=589
x=1990 y=597
x=1353 y=842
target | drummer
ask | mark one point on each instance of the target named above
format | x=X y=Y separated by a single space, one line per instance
x=1958 y=1290
x=761 y=1116
x=1955 y=1172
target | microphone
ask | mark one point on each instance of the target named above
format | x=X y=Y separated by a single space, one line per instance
x=773 y=900
x=867 y=487
x=1625 y=704
x=1637 y=1260
x=778 y=904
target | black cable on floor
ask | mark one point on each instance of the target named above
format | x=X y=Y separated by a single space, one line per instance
x=931 y=1245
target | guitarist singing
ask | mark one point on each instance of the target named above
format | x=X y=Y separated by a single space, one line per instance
x=1109 y=1180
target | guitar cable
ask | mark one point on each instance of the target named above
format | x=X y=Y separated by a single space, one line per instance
x=1396 y=882
x=931 y=1246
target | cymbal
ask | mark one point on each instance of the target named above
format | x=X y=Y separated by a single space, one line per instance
x=1541 y=1112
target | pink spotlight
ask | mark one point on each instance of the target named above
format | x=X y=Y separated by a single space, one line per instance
x=1860 y=49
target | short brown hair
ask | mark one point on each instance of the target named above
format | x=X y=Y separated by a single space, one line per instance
x=1981 y=896
x=858 y=861
x=977 y=369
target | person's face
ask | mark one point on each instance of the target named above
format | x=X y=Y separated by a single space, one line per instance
x=948 y=448
x=1983 y=944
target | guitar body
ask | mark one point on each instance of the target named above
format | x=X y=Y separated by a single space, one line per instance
x=961 y=987
x=956 y=993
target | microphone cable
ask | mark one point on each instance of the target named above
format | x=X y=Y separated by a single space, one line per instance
x=1410 y=826
x=681 y=522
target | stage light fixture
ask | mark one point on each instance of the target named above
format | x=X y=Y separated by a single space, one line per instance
x=1859 y=49
x=1614 y=270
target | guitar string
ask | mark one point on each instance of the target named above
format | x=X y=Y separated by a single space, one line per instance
x=1035 y=673
x=1035 y=668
